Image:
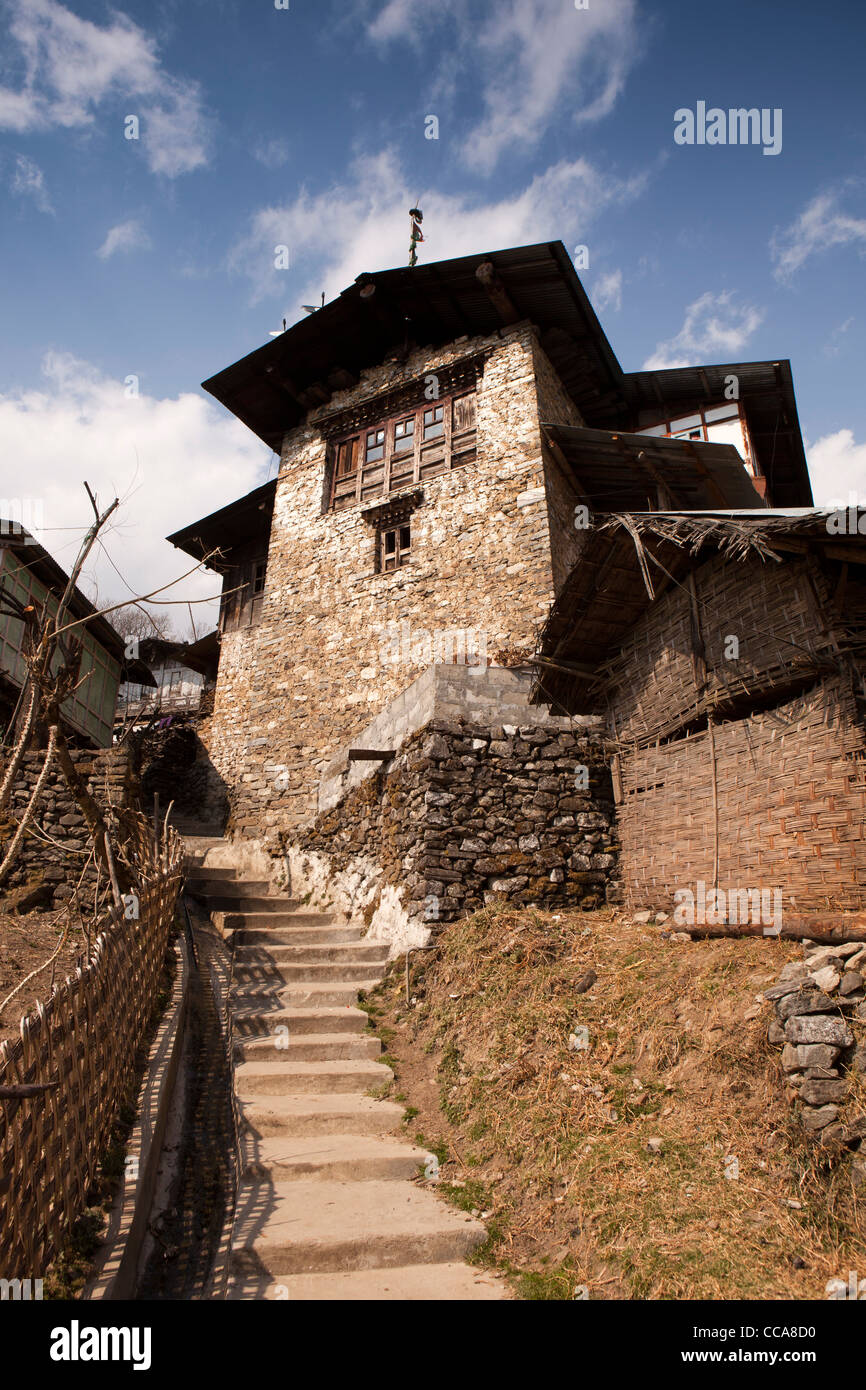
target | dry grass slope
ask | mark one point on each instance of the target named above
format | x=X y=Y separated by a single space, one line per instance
x=552 y=1143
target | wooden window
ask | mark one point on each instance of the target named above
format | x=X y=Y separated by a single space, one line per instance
x=375 y=446
x=434 y=422
x=347 y=457
x=404 y=435
x=403 y=449
x=464 y=413
x=395 y=543
x=243 y=607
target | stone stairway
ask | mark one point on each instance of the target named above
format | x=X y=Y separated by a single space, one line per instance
x=327 y=1208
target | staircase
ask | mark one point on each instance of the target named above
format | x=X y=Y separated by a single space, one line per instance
x=327 y=1209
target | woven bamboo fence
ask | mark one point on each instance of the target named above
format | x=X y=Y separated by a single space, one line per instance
x=777 y=799
x=78 y=1054
x=673 y=668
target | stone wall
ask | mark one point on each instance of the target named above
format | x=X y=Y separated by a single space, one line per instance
x=821 y=1024
x=465 y=815
x=299 y=684
x=174 y=765
x=56 y=857
x=485 y=696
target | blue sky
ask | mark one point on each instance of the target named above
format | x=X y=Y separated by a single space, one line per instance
x=153 y=258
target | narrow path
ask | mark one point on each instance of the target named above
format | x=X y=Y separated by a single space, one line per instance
x=326 y=1207
x=187 y=1233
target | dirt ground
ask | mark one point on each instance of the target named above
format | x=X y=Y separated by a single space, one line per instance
x=27 y=942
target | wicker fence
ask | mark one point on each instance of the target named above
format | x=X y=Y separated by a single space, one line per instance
x=673 y=666
x=81 y=1047
x=777 y=800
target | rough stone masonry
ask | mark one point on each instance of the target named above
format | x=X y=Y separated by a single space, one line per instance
x=489 y=541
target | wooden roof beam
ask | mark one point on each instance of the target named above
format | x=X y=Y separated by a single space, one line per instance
x=497 y=294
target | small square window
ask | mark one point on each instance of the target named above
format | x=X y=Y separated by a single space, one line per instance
x=259 y=577
x=394 y=547
x=434 y=422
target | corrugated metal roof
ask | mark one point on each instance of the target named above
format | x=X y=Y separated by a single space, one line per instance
x=627 y=472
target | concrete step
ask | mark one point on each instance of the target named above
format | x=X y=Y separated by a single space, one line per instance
x=271 y=1116
x=312 y=1227
x=198 y=873
x=309 y=953
x=255 y=1021
x=310 y=932
x=269 y=921
x=363 y=974
x=450 y=1283
x=292 y=1078
x=227 y=896
x=309 y=1047
x=347 y=1157
x=310 y=994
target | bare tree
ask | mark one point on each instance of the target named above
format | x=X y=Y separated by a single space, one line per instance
x=52 y=651
x=132 y=619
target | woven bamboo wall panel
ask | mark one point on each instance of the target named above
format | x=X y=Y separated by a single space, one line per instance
x=791 y=807
x=84 y=1039
x=770 y=608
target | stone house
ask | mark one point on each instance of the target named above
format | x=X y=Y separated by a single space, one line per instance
x=444 y=434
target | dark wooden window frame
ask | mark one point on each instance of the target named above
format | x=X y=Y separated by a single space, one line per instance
x=700 y=431
x=244 y=607
x=394 y=514
x=401 y=551
x=457 y=448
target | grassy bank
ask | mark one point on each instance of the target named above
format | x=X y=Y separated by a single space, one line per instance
x=627 y=1137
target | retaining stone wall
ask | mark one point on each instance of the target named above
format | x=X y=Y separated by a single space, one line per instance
x=465 y=815
x=112 y=780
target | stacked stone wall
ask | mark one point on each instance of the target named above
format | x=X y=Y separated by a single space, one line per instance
x=58 y=844
x=464 y=816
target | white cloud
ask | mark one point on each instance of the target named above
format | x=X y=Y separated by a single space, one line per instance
x=714 y=329
x=820 y=225
x=170 y=461
x=607 y=292
x=126 y=236
x=527 y=58
x=273 y=154
x=373 y=201
x=71 y=66
x=837 y=467
x=400 y=19
x=834 y=343
x=28 y=181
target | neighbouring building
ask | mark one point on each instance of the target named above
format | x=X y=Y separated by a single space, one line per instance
x=30 y=575
x=183 y=678
x=445 y=434
x=726 y=653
